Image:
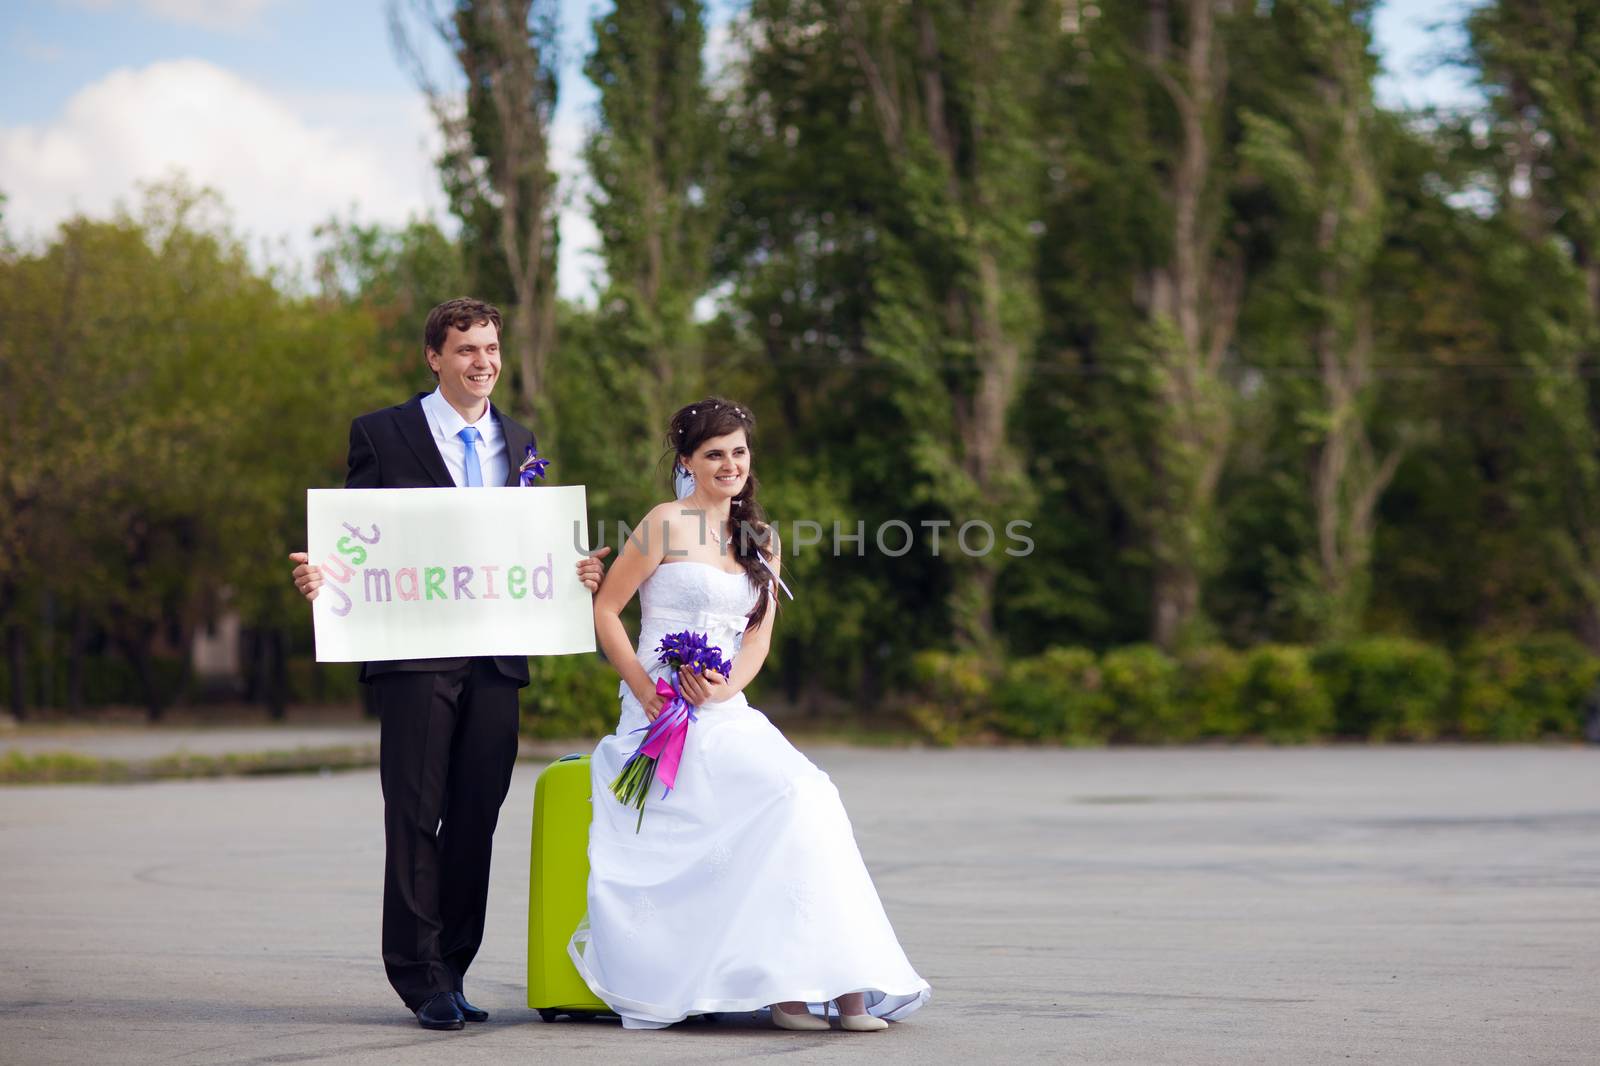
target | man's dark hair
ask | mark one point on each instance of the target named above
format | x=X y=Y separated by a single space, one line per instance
x=461 y=313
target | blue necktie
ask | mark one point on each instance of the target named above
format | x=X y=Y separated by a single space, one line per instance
x=470 y=437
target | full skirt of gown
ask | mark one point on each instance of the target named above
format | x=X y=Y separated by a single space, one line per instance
x=744 y=886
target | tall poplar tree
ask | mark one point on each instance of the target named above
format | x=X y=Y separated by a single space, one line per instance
x=1145 y=274
x=1539 y=62
x=954 y=95
x=655 y=159
x=1312 y=136
x=496 y=164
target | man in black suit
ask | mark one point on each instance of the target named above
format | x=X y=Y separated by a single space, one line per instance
x=448 y=726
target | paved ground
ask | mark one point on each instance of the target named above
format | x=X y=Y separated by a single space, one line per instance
x=137 y=743
x=306 y=730
x=1404 y=905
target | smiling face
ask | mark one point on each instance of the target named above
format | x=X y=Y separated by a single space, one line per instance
x=468 y=365
x=721 y=465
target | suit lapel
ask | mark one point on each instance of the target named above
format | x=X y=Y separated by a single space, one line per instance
x=517 y=440
x=414 y=428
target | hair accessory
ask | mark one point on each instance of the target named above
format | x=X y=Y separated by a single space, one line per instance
x=682 y=481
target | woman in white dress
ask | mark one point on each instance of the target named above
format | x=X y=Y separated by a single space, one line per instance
x=743 y=888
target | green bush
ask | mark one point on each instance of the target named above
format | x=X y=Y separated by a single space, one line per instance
x=1524 y=688
x=953 y=694
x=569 y=696
x=1280 y=697
x=1209 y=680
x=1386 y=687
x=1141 y=684
x=1058 y=695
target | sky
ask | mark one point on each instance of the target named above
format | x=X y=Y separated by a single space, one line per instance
x=298 y=111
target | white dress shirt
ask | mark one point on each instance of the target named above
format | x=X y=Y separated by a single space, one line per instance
x=445 y=422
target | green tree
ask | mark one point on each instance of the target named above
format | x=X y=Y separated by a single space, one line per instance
x=1471 y=309
x=1539 y=64
x=885 y=192
x=496 y=165
x=396 y=275
x=187 y=409
x=655 y=161
x=116 y=527
x=1314 y=138
x=1145 y=272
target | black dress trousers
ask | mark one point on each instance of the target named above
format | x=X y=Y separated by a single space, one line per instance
x=448 y=744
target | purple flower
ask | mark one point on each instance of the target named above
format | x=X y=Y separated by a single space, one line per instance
x=692 y=650
x=533 y=466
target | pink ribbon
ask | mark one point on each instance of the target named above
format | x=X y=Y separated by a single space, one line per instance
x=664 y=737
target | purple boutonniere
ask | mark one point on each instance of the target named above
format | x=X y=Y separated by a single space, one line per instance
x=533 y=466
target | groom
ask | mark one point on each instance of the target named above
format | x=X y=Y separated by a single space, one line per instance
x=448 y=736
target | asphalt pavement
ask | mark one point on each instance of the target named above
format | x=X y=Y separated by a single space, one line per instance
x=1410 y=905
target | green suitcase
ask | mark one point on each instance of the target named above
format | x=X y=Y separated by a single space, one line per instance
x=558 y=889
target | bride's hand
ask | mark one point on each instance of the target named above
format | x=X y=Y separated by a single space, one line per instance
x=709 y=687
x=652 y=702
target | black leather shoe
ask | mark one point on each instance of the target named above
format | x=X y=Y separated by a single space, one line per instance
x=439 y=1011
x=468 y=1011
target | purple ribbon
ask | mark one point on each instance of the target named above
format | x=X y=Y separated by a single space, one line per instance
x=664 y=737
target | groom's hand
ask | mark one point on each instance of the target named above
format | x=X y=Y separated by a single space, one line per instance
x=590 y=569
x=307 y=578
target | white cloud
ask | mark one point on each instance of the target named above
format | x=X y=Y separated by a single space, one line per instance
x=208 y=14
x=283 y=165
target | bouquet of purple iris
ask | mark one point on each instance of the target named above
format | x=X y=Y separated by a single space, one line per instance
x=693 y=650
x=661 y=750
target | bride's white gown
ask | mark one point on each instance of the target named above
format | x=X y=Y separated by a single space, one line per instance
x=744 y=886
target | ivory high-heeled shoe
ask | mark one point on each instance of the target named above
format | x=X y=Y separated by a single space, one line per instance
x=861 y=1023
x=802 y=1023
x=857 y=1023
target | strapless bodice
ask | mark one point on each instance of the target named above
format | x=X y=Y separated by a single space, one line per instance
x=697 y=597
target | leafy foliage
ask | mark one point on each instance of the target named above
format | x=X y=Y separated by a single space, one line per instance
x=1295 y=397
x=1384 y=688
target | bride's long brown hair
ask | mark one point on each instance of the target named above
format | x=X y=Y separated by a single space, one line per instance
x=748 y=534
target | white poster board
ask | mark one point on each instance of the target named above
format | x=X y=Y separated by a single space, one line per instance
x=438 y=573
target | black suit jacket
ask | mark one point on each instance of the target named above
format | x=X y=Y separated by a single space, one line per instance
x=394 y=449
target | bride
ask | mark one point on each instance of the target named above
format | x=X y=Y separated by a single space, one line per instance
x=743 y=888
